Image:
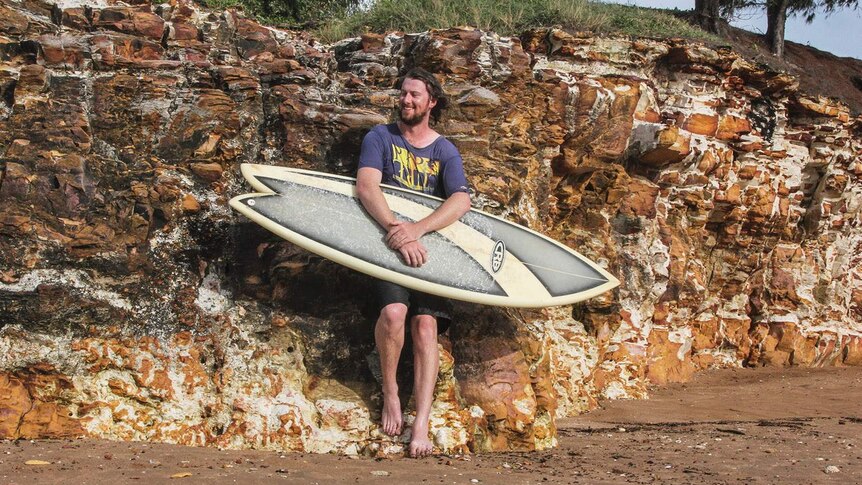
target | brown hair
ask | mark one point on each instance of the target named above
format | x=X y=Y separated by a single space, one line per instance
x=432 y=85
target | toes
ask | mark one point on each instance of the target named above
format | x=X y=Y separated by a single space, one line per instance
x=391 y=428
x=421 y=450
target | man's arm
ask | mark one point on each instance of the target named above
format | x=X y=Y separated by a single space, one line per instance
x=402 y=232
x=368 y=190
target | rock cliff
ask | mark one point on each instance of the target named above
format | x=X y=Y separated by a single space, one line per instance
x=134 y=305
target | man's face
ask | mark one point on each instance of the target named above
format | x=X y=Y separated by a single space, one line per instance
x=415 y=102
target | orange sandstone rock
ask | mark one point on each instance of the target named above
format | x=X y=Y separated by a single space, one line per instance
x=731 y=127
x=701 y=124
x=671 y=146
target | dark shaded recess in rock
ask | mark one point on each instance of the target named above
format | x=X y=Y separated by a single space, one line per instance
x=627 y=224
x=158 y=221
x=9 y=51
x=594 y=315
x=7 y=92
x=267 y=269
x=343 y=155
x=56 y=15
x=472 y=323
x=322 y=288
x=762 y=117
x=178 y=150
x=271 y=131
x=68 y=88
x=57 y=310
x=337 y=347
x=246 y=271
x=29 y=51
x=211 y=236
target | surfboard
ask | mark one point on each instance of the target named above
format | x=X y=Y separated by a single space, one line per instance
x=481 y=258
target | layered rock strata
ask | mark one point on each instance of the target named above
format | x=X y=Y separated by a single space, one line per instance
x=135 y=306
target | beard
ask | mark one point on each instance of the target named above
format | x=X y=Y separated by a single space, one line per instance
x=413 y=120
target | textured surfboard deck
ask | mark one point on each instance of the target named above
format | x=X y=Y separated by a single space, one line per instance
x=481 y=258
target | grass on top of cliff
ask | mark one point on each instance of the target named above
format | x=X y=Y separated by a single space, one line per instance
x=334 y=20
x=507 y=17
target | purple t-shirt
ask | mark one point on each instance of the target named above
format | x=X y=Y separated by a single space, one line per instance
x=436 y=169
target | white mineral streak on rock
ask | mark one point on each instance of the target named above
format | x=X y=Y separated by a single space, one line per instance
x=526 y=405
x=69 y=278
x=447 y=430
x=16 y=353
x=211 y=298
x=618 y=389
x=64 y=4
x=490 y=53
x=172 y=238
x=643 y=136
x=682 y=336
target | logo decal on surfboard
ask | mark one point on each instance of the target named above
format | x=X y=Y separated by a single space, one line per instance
x=497 y=256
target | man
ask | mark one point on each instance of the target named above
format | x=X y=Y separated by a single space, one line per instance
x=410 y=154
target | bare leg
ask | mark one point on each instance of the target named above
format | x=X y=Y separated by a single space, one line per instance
x=426 y=363
x=389 y=335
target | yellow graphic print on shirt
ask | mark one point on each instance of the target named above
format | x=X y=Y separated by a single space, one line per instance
x=414 y=172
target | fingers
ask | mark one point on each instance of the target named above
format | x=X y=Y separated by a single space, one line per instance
x=401 y=233
x=414 y=254
x=397 y=240
x=397 y=237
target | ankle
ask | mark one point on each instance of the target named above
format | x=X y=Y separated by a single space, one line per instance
x=421 y=425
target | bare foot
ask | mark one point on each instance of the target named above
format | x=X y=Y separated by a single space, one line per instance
x=420 y=445
x=391 y=414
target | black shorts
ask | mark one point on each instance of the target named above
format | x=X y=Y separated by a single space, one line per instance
x=418 y=303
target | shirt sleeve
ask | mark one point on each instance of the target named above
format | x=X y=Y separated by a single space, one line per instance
x=452 y=174
x=372 y=152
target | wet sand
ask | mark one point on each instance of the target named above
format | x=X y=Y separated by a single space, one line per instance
x=728 y=426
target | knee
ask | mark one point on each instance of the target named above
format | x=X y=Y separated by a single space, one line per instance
x=392 y=317
x=424 y=331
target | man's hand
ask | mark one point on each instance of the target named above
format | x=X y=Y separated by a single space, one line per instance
x=401 y=233
x=414 y=254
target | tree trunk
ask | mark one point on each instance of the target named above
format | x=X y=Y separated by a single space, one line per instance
x=776 y=17
x=706 y=15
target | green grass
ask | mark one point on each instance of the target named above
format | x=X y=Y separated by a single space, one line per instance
x=509 y=17
x=222 y=4
x=334 y=20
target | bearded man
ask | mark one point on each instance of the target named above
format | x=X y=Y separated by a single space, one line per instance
x=410 y=154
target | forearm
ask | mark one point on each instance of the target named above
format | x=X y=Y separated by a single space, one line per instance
x=450 y=211
x=376 y=205
x=371 y=196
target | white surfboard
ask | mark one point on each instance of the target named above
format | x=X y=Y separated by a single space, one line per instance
x=481 y=258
